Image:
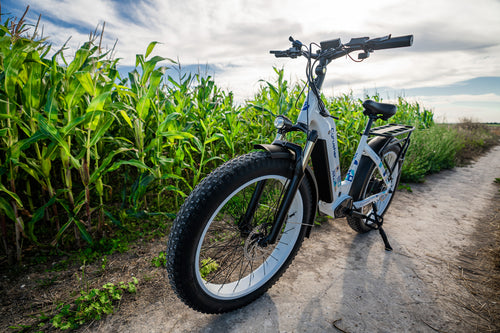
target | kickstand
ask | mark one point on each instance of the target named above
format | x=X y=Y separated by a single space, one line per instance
x=379 y=220
x=384 y=238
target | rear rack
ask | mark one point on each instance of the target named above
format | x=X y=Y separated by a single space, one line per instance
x=391 y=130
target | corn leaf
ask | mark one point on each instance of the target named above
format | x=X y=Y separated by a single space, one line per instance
x=97 y=135
x=7 y=209
x=114 y=220
x=104 y=164
x=52 y=133
x=62 y=230
x=135 y=163
x=126 y=117
x=98 y=102
x=87 y=83
x=12 y=195
x=80 y=57
x=32 y=169
x=213 y=138
x=177 y=135
x=37 y=216
x=85 y=235
x=150 y=48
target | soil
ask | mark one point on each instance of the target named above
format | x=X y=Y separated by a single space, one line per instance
x=443 y=275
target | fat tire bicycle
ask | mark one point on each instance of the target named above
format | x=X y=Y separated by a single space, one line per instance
x=241 y=227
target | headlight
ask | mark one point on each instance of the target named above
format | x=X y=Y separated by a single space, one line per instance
x=279 y=122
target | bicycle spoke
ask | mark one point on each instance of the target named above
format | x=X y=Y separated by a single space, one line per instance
x=222 y=264
x=231 y=271
x=231 y=260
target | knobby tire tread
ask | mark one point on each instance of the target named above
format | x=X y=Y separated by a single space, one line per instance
x=191 y=221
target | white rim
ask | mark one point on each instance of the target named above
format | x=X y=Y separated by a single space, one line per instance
x=270 y=266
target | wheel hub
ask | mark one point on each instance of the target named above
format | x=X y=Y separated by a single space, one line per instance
x=255 y=246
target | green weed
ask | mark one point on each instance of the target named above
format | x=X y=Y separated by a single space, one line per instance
x=160 y=260
x=405 y=187
x=47 y=282
x=91 y=305
x=208 y=266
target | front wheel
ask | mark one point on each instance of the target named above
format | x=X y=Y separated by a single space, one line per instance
x=368 y=181
x=216 y=260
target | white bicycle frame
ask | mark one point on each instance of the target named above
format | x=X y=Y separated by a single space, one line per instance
x=325 y=126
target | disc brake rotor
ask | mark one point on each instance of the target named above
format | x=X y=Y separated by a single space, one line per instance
x=253 y=251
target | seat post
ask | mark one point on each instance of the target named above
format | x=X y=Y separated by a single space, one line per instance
x=371 y=118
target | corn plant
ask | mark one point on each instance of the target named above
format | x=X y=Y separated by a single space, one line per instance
x=279 y=97
x=18 y=79
x=154 y=125
x=82 y=147
x=50 y=113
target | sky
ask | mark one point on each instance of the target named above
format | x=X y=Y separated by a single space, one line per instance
x=452 y=68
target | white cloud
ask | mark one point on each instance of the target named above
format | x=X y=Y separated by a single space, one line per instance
x=452 y=108
x=455 y=40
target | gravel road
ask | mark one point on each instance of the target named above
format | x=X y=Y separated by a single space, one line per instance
x=343 y=279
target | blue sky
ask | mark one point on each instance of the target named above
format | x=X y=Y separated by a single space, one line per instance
x=453 y=66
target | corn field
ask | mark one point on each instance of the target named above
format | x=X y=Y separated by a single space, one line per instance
x=85 y=149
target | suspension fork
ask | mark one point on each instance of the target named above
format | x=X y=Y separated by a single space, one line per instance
x=244 y=224
x=300 y=165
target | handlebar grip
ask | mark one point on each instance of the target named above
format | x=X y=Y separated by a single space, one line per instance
x=279 y=54
x=394 y=42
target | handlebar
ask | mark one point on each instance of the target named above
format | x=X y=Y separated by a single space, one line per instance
x=293 y=52
x=394 y=42
x=333 y=49
x=286 y=54
x=330 y=50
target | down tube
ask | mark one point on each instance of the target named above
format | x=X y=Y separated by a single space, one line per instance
x=325 y=126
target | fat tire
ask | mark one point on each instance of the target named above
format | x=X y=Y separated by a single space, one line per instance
x=361 y=181
x=193 y=217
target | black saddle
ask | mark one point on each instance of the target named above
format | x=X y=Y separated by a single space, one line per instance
x=380 y=110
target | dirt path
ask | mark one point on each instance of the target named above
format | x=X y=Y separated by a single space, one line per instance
x=341 y=275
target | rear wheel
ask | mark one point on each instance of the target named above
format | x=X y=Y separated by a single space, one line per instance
x=369 y=181
x=216 y=260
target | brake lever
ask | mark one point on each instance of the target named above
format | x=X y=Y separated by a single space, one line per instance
x=295 y=43
x=295 y=52
x=290 y=53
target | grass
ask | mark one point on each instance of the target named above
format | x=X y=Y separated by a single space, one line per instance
x=445 y=146
x=478 y=269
